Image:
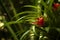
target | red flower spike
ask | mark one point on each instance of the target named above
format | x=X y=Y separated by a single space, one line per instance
x=56 y=5
x=39 y=22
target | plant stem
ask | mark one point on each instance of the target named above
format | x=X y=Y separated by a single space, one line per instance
x=12 y=32
x=32 y=32
x=7 y=11
x=14 y=11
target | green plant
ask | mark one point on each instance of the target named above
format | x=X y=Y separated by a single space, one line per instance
x=18 y=21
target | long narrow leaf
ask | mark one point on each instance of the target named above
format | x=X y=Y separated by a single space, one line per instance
x=24 y=34
x=23 y=13
x=11 y=30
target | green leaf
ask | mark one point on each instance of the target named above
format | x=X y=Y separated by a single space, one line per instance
x=29 y=12
x=11 y=30
x=58 y=29
x=30 y=6
x=24 y=34
x=47 y=29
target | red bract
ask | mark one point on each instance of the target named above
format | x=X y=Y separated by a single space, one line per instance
x=56 y=5
x=39 y=22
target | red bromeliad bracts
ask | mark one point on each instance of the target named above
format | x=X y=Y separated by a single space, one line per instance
x=39 y=21
x=56 y=5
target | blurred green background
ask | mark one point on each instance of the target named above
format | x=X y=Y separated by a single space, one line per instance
x=16 y=17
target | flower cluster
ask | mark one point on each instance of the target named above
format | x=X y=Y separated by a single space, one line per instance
x=56 y=5
x=39 y=21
